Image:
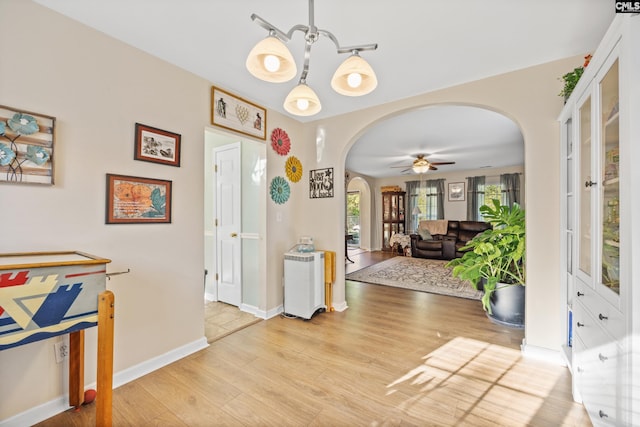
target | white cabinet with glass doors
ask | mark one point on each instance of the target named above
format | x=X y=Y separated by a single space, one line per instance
x=599 y=129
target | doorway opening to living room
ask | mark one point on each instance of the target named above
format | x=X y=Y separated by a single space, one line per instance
x=358 y=217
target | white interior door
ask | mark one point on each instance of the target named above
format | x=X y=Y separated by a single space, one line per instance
x=228 y=219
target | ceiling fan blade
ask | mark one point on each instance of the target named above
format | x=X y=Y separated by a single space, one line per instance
x=443 y=163
x=432 y=168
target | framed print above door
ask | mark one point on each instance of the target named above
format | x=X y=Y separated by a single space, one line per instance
x=237 y=114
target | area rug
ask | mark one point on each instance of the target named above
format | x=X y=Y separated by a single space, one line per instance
x=419 y=274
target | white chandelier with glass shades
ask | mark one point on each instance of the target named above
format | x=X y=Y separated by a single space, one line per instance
x=271 y=61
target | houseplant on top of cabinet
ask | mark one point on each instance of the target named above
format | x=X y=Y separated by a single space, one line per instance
x=494 y=263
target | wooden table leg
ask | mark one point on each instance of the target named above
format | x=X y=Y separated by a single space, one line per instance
x=76 y=368
x=104 y=383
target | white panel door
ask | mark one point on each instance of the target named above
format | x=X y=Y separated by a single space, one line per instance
x=228 y=216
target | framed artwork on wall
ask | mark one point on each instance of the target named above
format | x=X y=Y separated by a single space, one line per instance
x=135 y=200
x=157 y=145
x=456 y=192
x=237 y=114
x=321 y=183
x=26 y=147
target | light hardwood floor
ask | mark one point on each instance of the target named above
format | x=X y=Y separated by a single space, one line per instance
x=395 y=357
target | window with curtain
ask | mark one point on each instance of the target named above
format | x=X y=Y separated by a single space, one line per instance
x=482 y=190
x=428 y=197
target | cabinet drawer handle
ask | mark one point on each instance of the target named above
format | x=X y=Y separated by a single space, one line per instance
x=579 y=369
x=602 y=358
x=580 y=324
x=580 y=294
x=602 y=414
x=601 y=317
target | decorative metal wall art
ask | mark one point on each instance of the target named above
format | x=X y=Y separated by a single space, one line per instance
x=26 y=147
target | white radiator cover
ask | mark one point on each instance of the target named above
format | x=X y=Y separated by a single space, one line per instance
x=303 y=283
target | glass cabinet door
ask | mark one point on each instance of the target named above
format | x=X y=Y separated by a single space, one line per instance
x=569 y=199
x=610 y=188
x=386 y=235
x=585 y=185
x=386 y=207
x=394 y=207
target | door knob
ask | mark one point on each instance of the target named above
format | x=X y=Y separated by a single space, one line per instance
x=234 y=234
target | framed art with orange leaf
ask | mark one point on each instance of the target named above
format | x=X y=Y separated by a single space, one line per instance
x=135 y=200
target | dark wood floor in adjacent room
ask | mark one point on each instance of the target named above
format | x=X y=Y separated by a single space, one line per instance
x=394 y=357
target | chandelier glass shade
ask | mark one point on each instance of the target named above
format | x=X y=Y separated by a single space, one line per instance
x=271 y=61
x=354 y=77
x=302 y=101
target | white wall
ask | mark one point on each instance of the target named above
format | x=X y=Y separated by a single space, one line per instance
x=98 y=89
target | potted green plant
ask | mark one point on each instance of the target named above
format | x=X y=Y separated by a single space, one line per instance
x=494 y=263
x=571 y=79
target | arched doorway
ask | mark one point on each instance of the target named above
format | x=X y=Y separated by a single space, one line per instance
x=479 y=140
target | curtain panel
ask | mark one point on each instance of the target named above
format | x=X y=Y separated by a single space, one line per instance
x=475 y=197
x=510 y=183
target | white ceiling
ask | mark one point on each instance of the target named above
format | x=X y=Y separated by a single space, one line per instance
x=423 y=45
x=438 y=133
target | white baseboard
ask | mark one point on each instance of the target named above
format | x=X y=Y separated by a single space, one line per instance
x=262 y=314
x=37 y=414
x=541 y=353
x=341 y=306
x=249 y=309
x=60 y=404
x=141 y=369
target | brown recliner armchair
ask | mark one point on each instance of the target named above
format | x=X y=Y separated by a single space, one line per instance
x=467 y=230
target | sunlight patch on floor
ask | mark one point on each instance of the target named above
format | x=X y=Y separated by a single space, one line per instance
x=472 y=382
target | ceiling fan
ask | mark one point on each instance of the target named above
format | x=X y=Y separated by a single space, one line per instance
x=422 y=165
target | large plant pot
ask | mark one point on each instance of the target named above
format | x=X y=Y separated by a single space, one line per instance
x=507 y=306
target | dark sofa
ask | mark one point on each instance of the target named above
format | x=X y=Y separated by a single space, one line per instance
x=447 y=246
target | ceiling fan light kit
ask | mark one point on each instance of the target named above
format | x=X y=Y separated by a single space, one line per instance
x=421 y=165
x=271 y=61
